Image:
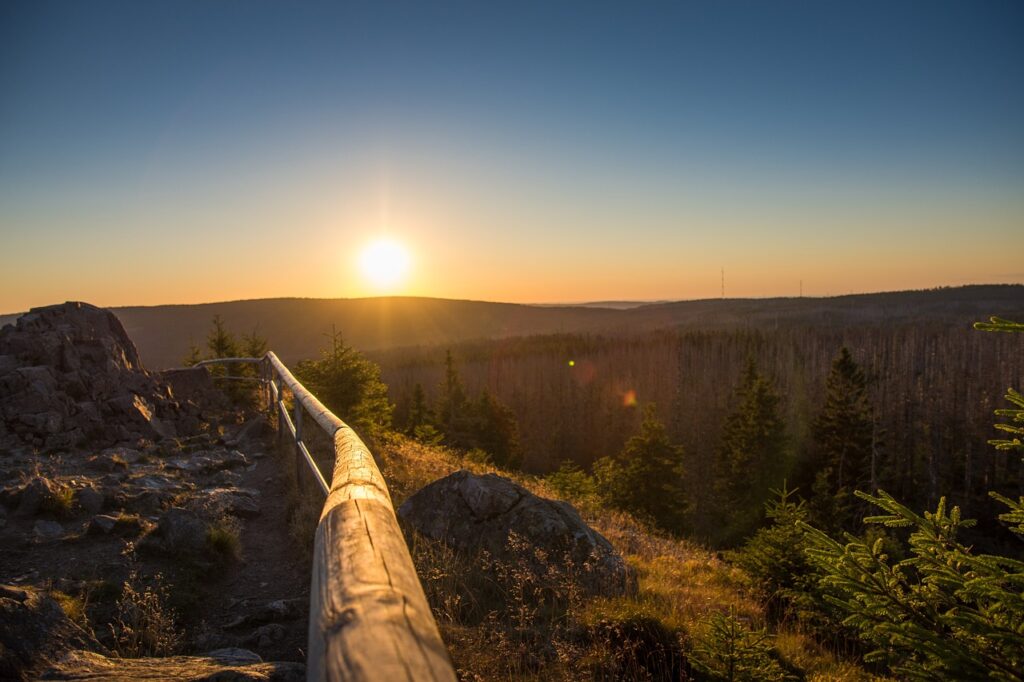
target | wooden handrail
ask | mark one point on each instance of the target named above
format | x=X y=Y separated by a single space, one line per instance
x=368 y=616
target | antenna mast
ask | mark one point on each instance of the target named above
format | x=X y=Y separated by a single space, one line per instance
x=723 y=282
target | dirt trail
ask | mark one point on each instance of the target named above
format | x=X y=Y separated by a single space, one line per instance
x=271 y=570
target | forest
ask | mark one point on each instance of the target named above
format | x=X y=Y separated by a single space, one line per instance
x=926 y=393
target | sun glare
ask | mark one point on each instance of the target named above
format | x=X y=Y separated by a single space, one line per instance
x=384 y=263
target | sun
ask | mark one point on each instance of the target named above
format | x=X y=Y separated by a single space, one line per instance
x=384 y=262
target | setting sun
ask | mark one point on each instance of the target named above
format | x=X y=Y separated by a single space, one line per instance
x=384 y=263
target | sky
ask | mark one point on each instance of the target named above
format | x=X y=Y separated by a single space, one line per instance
x=180 y=152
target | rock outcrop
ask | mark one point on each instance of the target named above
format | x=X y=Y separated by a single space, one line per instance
x=471 y=513
x=33 y=631
x=69 y=374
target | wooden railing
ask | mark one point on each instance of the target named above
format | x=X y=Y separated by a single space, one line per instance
x=368 y=616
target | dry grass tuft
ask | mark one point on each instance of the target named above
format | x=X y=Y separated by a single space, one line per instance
x=223 y=539
x=145 y=625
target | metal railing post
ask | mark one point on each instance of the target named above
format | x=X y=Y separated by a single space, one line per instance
x=297 y=418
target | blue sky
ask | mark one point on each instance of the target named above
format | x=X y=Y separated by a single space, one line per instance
x=544 y=152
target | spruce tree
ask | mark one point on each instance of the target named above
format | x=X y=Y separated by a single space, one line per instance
x=220 y=341
x=453 y=416
x=842 y=448
x=646 y=478
x=349 y=385
x=194 y=357
x=751 y=457
x=495 y=430
x=419 y=410
x=254 y=345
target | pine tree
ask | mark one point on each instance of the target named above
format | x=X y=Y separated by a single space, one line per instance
x=842 y=448
x=750 y=459
x=453 y=416
x=349 y=385
x=194 y=357
x=254 y=345
x=419 y=411
x=495 y=430
x=222 y=344
x=220 y=341
x=646 y=478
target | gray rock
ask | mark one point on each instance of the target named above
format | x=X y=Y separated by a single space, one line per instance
x=157 y=482
x=178 y=531
x=90 y=500
x=214 y=502
x=48 y=530
x=266 y=635
x=208 y=461
x=471 y=513
x=271 y=612
x=102 y=524
x=145 y=501
x=38 y=493
x=254 y=430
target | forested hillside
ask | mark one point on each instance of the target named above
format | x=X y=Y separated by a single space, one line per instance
x=930 y=392
x=295 y=327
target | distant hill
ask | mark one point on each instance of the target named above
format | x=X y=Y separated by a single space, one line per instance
x=295 y=327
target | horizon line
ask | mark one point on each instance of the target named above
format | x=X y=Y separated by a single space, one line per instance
x=636 y=303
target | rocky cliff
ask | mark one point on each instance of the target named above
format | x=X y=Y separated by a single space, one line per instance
x=70 y=375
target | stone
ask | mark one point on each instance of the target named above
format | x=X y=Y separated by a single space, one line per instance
x=90 y=500
x=215 y=502
x=48 y=530
x=106 y=463
x=178 y=531
x=266 y=635
x=226 y=478
x=208 y=461
x=36 y=495
x=102 y=524
x=255 y=430
x=471 y=513
x=277 y=610
x=145 y=501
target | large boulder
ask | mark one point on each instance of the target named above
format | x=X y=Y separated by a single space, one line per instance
x=70 y=374
x=471 y=513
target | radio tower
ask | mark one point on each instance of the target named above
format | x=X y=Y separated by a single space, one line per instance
x=723 y=282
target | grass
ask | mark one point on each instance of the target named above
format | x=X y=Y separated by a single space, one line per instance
x=73 y=607
x=223 y=541
x=500 y=624
x=62 y=503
